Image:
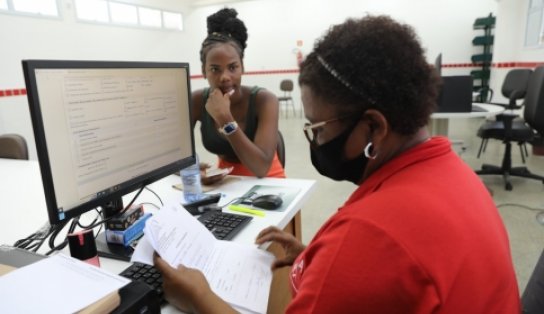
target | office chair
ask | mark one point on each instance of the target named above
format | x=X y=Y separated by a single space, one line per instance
x=281 y=149
x=532 y=299
x=13 y=146
x=514 y=87
x=286 y=86
x=509 y=130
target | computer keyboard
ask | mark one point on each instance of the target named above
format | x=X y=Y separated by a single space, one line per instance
x=224 y=226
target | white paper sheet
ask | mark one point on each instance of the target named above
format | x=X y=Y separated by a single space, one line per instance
x=59 y=284
x=239 y=274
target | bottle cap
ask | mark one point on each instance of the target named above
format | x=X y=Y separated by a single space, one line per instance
x=82 y=245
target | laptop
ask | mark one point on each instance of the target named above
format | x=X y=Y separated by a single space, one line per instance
x=456 y=94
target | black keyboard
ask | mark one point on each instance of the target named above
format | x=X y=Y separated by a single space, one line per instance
x=224 y=226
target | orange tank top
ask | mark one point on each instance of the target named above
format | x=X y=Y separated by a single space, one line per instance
x=275 y=171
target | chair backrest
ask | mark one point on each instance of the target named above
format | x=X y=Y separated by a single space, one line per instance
x=13 y=146
x=286 y=85
x=533 y=112
x=515 y=84
x=281 y=149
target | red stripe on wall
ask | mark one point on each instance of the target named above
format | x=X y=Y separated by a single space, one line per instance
x=263 y=72
x=12 y=92
x=501 y=65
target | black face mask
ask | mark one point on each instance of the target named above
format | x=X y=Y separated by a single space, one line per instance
x=329 y=160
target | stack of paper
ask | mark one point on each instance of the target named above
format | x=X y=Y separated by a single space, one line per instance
x=59 y=284
x=239 y=274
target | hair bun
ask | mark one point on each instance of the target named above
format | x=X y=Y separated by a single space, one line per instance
x=225 y=22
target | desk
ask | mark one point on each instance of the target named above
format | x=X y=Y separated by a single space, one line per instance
x=23 y=212
x=440 y=120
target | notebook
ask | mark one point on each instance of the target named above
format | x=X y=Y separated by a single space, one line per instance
x=456 y=94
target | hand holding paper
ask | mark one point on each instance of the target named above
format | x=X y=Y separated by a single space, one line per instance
x=239 y=274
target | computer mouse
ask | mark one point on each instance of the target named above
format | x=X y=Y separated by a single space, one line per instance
x=268 y=201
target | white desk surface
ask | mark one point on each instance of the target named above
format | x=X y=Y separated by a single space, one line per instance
x=491 y=110
x=440 y=120
x=23 y=210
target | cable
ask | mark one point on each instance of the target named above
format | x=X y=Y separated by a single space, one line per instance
x=92 y=222
x=152 y=204
x=35 y=240
x=522 y=206
x=157 y=195
x=103 y=221
x=539 y=216
x=56 y=230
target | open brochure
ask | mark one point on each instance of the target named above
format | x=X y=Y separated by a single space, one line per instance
x=240 y=274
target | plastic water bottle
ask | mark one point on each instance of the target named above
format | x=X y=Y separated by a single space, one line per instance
x=190 y=177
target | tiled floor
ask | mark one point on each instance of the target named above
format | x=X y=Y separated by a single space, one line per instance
x=526 y=234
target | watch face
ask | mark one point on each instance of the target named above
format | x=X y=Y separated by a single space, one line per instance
x=229 y=128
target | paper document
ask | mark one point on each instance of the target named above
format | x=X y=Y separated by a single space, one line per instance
x=59 y=284
x=239 y=274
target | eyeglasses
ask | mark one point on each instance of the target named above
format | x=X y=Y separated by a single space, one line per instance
x=311 y=132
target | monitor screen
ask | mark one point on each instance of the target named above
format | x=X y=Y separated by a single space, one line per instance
x=104 y=129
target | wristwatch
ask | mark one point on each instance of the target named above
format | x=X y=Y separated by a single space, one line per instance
x=228 y=128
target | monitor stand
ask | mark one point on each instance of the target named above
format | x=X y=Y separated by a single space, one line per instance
x=112 y=250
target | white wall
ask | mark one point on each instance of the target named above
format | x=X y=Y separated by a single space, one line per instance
x=509 y=41
x=274 y=27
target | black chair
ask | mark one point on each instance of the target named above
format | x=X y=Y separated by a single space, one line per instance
x=13 y=146
x=514 y=88
x=509 y=130
x=532 y=299
x=286 y=86
x=281 y=149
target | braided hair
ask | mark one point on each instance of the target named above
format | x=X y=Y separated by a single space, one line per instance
x=373 y=63
x=224 y=27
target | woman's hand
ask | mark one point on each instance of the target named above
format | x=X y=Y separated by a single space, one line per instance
x=290 y=244
x=218 y=106
x=209 y=179
x=188 y=290
x=182 y=285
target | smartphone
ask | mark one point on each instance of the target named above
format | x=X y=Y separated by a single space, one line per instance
x=210 y=172
x=200 y=206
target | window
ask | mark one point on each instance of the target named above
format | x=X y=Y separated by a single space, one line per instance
x=172 y=20
x=150 y=17
x=123 y=13
x=93 y=10
x=534 y=33
x=120 y=13
x=34 y=7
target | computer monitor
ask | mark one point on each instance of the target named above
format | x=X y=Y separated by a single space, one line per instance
x=438 y=64
x=106 y=128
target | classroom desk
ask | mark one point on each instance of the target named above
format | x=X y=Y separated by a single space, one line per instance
x=23 y=212
x=440 y=120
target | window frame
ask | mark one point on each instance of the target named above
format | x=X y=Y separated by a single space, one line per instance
x=12 y=11
x=534 y=11
x=138 y=24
